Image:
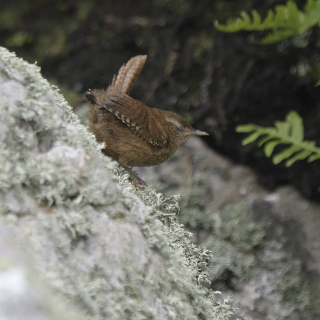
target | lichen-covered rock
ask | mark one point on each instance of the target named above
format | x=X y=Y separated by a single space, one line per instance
x=95 y=244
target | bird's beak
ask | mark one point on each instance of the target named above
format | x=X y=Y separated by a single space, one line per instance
x=198 y=133
x=90 y=97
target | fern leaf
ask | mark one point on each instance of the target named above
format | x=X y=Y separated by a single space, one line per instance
x=285 y=154
x=296 y=125
x=268 y=21
x=264 y=140
x=252 y=137
x=314 y=157
x=246 y=128
x=256 y=18
x=281 y=15
x=268 y=148
x=299 y=156
x=283 y=127
x=283 y=22
x=289 y=132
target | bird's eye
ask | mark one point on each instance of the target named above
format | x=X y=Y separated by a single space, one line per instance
x=178 y=127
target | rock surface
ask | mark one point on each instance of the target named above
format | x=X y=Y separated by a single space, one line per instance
x=265 y=244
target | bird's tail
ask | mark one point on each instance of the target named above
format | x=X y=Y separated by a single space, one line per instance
x=127 y=76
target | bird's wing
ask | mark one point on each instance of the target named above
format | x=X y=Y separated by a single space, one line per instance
x=137 y=116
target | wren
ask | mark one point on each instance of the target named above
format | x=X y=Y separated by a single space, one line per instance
x=134 y=134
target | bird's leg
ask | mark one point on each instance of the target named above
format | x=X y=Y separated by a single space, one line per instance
x=141 y=184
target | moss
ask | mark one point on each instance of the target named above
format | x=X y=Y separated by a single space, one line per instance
x=73 y=98
x=296 y=289
x=19 y=39
x=235 y=224
x=231 y=235
x=203 y=42
x=234 y=238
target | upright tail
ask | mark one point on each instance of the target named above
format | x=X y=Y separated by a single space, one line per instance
x=127 y=76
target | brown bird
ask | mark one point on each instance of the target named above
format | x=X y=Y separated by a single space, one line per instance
x=134 y=134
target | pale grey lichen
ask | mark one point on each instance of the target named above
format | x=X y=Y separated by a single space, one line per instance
x=94 y=242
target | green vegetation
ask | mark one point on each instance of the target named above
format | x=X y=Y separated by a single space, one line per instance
x=289 y=132
x=282 y=22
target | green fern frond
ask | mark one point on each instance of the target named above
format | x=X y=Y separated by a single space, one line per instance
x=289 y=132
x=283 y=22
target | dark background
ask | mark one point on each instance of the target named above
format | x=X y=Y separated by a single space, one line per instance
x=216 y=80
